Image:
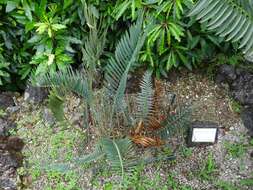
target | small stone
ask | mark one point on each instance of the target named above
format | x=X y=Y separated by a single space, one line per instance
x=48 y=117
x=231 y=128
x=7 y=184
x=35 y=94
x=5 y=126
x=247 y=119
x=13 y=109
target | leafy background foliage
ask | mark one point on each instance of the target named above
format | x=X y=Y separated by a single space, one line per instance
x=38 y=37
x=231 y=20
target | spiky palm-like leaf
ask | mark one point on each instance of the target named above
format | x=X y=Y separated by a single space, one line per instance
x=64 y=82
x=118 y=153
x=95 y=42
x=125 y=57
x=67 y=81
x=176 y=122
x=145 y=99
x=231 y=19
x=95 y=155
x=149 y=101
x=247 y=5
x=55 y=104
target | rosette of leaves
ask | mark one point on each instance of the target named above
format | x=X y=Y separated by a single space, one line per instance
x=51 y=42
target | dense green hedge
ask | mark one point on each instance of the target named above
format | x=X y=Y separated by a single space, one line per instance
x=37 y=37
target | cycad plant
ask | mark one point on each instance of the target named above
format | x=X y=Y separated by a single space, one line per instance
x=107 y=110
x=230 y=19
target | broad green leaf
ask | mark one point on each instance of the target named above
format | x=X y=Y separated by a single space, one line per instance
x=11 y=5
x=119 y=11
x=169 y=63
x=35 y=39
x=4 y=74
x=162 y=42
x=42 y=68
x=57 y=27
x=42 y=27
x=29 y=26
x=176 y=31
x=27 y=10
x=67 y=3
x=49 y=32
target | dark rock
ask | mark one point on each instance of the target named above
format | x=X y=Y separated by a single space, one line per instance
x=8 y=166
x=7 y=184
x=240 y=83
x=226 y=73
x=14 y=144
x=5 y=126
x=10 y=155
x=7 y=161
x=247 y=119
x=11 y=158
x=6 y=100
x=35 y=94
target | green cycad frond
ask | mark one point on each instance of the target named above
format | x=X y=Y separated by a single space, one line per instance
x=125 y=57
x=95 y=42
x=229 y=19
x=95 y=155
x=145 y=99
x=247 y=5
x=55 y=104
x=66 y=81
x=176 y=123
x=119 y=153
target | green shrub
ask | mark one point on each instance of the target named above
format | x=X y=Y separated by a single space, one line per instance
x=174 y=41
x=39 y=37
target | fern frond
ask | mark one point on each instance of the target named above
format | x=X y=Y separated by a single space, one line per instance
x=145 y=99
x=177 y=122
x=145 y=141
x=119 y=153
x=125 y=57
x=148 y=102
x=228 y=18
x=95 y=155
x=66 y=81
x=247 y=5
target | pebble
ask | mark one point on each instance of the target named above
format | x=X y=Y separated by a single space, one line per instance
x=13 y=109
